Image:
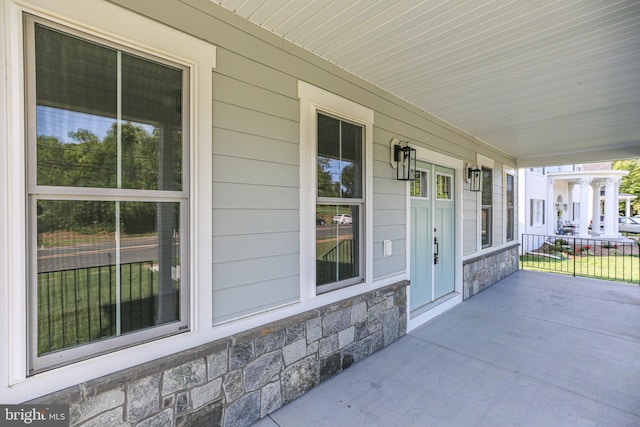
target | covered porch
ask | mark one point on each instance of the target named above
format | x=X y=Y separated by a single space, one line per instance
x=534 y=349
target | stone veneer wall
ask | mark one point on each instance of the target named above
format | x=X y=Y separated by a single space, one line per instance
x=239 y=379
x=481 y=272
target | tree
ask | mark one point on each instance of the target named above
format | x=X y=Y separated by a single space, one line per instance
x=91 y=162
x=326 y=185
x=631 y=183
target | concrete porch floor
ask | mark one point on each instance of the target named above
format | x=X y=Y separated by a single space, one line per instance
x=536 y=349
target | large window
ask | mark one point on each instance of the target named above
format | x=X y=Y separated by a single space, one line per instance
x=510 y=208
x=487 y=207
x=339 y=202
x=108 y=195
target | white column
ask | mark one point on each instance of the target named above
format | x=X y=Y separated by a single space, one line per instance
x=550 y=214
x=570 y=200
x=583 y=229
x=627 y=207
x=595 y=220
x=616 y=206
x=610 y=209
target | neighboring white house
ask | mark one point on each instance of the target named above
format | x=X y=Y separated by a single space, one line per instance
x=580 y=200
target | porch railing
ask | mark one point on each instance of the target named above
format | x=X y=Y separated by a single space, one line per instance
x=601 y=259
x=76 y=306
x=343 y=252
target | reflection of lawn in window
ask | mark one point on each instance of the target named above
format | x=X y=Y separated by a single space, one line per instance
x=71 y=238
x=323 y=247
x=78 y=306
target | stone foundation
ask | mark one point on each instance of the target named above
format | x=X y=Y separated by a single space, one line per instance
x=481 y=272
x=237 y=380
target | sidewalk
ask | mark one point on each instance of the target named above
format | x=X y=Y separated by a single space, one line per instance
x=536 y=349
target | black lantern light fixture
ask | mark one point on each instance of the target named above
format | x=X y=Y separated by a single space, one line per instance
x=405 y=161
x=474 y=177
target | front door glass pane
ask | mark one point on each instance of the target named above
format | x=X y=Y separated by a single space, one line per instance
x=419 y=184
x=443 y=187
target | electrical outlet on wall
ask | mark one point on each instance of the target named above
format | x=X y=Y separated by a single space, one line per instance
x=388 y=248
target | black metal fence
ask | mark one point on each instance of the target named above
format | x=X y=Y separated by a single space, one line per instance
x=76 y=306
x=601 y=259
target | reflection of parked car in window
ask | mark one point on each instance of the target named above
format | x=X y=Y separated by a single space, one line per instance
x=342 y=219
x=628 y=225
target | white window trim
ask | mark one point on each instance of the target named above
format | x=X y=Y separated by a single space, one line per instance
x=510 y=171
x=113 y=23
x=485 y=162
x=312 y=100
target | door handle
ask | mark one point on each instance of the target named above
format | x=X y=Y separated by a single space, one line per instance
x=436 y=250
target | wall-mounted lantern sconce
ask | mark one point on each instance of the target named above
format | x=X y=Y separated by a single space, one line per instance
x=404 y=160
x=474 y=177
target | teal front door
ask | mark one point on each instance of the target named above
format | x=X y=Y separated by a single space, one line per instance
x=432 y=234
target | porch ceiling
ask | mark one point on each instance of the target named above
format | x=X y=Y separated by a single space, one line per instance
x=547 y=82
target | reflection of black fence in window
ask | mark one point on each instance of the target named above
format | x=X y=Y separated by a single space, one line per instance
x=339 y=263
x=78 y=306
x=600 y=259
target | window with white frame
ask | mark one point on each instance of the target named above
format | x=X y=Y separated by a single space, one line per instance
x=108 y=195
x=536 y=212
x=487 y=207
x=335 y=153
x=339 y=201
x=510 y=206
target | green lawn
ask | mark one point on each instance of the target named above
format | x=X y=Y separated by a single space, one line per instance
x=78 y=306
x=617 y=268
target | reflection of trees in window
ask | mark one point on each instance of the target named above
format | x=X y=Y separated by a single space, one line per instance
x=91 y=162
x=326 y=186
x=443 y=187
x=348 y=180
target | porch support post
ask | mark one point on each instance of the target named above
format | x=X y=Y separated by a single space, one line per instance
x=570 y=214
x=584 y=207
x=610 y=209
x=551 y=210
x=616 y=206
x=595 y=220
x=627 y=207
